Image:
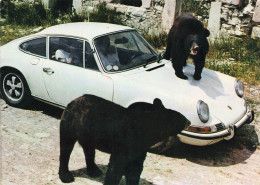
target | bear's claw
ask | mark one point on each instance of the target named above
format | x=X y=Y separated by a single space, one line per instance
x=197 y=77
x=182 y=76
x=66 y=177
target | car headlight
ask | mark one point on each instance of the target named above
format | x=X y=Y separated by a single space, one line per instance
x=203 y=111
x=239 y=87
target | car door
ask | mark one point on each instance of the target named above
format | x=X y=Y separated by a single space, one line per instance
x=66 y=79
x=35 y=53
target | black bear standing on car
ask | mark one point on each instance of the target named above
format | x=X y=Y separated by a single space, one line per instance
x=126 y=134
x=187 y=37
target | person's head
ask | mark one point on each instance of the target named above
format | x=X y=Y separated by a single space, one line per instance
x=61 y=55
x=103 y=42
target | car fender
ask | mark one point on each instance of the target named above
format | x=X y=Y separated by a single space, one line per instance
x=28 y=65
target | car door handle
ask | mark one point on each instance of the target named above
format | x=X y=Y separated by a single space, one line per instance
x=48 y=70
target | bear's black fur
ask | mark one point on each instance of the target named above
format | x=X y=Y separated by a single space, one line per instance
x=187 y=37
x=126 y=134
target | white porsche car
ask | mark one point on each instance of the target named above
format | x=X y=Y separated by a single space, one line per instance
x=114 y=62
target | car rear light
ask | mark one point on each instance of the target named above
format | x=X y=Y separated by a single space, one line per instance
x=206 y=130
x=199 y=129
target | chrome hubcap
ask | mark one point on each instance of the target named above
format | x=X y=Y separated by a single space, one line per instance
x=13 y=87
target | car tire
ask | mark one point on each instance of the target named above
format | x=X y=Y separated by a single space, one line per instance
x=14 y=89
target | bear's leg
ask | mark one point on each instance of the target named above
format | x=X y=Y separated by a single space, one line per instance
x=115 y=169
x=178 y=66
x=199 y=65
x=134 y=169
x=167 y=54
x=92 y=168
x=66 y=146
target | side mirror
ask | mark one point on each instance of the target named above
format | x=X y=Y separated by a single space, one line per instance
x=161 y=55
x=122 y=40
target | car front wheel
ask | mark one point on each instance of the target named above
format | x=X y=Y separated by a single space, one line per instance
x=14 y=89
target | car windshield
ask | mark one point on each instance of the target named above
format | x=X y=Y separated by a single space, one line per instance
x=123 y=51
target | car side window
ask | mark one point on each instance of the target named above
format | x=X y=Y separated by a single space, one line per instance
x=90 y=62
x=35 y=46
x=67 y=50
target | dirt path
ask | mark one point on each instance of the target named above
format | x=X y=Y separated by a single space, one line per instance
x=30 y=154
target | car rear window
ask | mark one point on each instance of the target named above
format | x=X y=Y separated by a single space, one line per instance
x=35 y=46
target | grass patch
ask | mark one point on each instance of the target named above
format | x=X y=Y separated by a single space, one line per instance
x=236 y=57
x=246 y=72
x=246 y=50
x=29 y=14
x=158 y=41
x=11 y=32
x=194 y=6
x=103 y=14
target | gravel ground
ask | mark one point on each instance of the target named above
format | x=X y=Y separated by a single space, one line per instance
x=30 y=153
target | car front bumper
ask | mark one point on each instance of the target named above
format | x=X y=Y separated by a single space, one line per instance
x=199 y=139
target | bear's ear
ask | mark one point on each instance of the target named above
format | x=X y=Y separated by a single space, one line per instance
x=158 y=103
x=206 y=32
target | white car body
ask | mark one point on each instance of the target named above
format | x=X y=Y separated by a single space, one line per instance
x=59 y=84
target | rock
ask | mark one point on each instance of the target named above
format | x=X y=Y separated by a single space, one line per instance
x=254 y=91
x=4 y=128
x=237 y=33
x=146 y=3
x=3 y=107
x=255 y=32
x=234 y=21
x=159 y=8
x=235 y=13
x=2 y=20
x=232 y=2
x=256 y=16
x=246 y=20
x=225 y=10
x=231 y=59
x=249 y=9
x=136 y=11
x=37 y=29
x=226 y=26
x=224 y=16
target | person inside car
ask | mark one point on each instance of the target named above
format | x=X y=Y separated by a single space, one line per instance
x=107 y=53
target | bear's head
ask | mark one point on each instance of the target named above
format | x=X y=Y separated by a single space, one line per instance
x=191 y=35
x=196 y=42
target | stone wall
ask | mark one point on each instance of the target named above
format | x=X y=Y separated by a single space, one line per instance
x=144 y=18
x=151 y=17
x=237 y=17
x=154 y=16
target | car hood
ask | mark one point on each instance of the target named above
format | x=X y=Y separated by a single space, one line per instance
x=160 y=81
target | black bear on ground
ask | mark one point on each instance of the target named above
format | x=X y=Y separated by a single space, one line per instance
x=126 y=134
x=187 y=37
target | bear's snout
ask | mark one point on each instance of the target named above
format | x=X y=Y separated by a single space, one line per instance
x=194 y=48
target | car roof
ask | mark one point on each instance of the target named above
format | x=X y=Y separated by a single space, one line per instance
x=87 y=30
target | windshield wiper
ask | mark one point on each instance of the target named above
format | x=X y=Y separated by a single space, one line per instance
x=154 y=57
